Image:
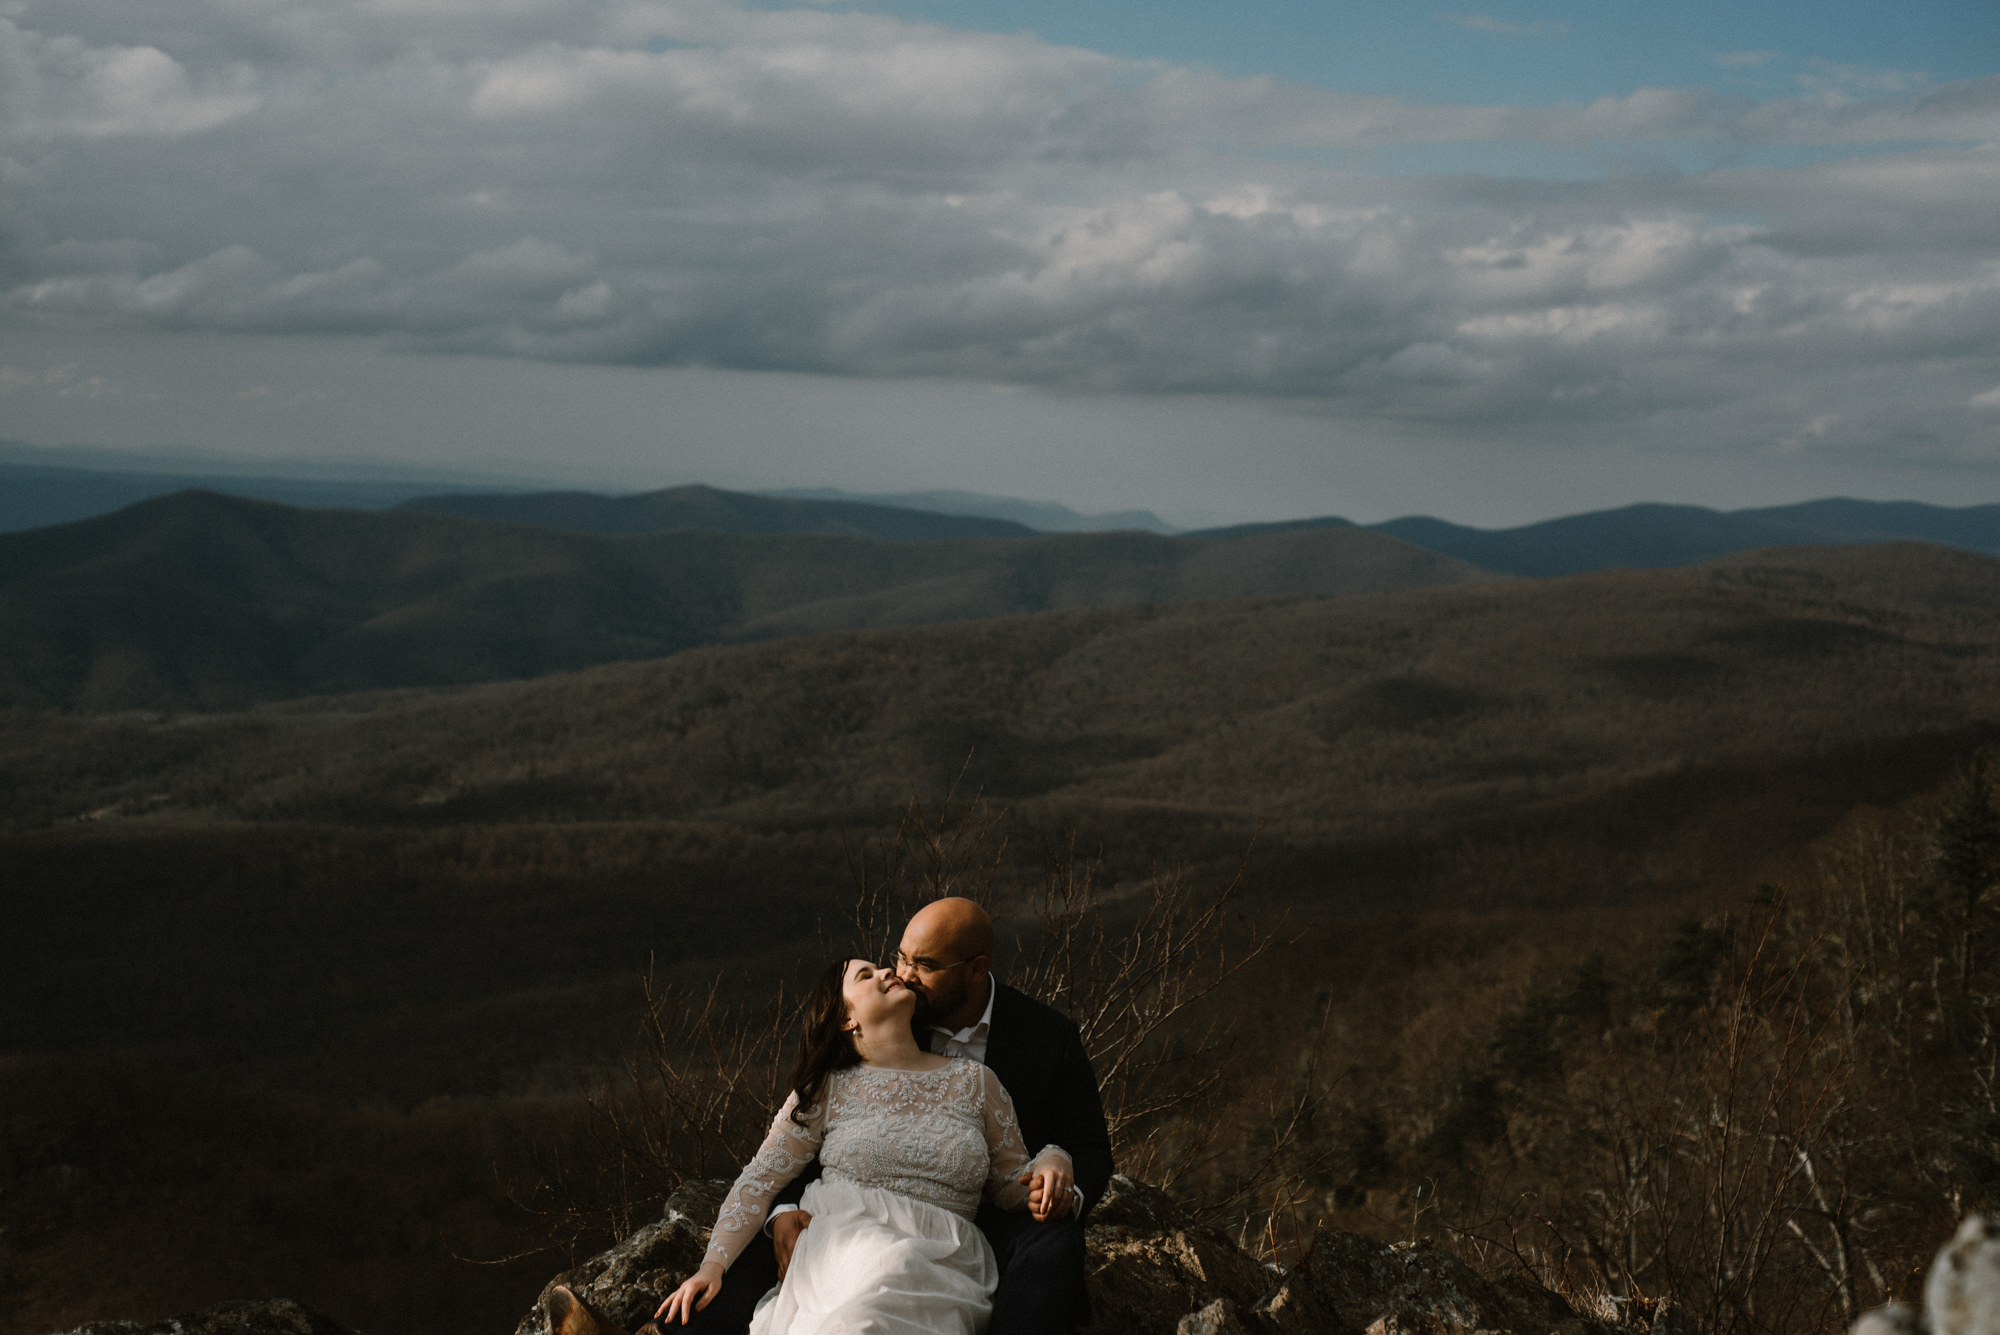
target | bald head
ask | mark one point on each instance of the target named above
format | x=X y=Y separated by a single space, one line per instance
x=946 y=957
x=959 y=927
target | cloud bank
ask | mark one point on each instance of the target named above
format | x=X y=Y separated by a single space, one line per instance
x=695 y=183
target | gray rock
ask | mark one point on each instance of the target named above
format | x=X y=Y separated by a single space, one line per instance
x=1962 y=1295
x=1150 y=1264
x=629 y=1282
x=1404 y=1288
x=1294 y=1308
x=1218 y=1318
x=1139 y=1206
x=272 y=1316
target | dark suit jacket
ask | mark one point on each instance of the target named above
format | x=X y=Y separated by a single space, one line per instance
x=1039 y=1057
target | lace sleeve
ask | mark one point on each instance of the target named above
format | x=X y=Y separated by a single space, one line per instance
x=1004 y=1146
x=783 y=1156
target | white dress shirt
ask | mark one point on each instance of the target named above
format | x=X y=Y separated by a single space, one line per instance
x=968 y=1042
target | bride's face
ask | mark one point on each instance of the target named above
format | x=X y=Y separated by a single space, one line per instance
x=874 y=994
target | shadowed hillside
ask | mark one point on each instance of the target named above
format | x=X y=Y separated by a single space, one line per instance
x=205 y=601
x=1334 y=717
x=1599 y=740
x=719 y=512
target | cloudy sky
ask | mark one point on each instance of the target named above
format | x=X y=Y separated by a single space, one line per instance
x=1225 y=260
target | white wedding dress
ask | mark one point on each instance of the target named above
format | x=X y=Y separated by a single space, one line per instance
x=891 y=1249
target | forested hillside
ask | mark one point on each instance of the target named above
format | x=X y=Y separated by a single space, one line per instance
x=1532 y=858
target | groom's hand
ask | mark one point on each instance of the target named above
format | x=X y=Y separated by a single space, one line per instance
x=785 y=1230
x=1049 y=1190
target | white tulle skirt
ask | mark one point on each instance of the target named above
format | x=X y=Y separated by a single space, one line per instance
x=873 y=1262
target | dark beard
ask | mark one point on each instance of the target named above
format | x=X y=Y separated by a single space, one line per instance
x=921 y=1020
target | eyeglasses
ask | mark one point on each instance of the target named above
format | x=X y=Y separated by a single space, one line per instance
x=928 y=968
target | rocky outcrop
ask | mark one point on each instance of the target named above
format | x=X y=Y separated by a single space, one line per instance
x=1420 y=1288
x=274 y=1316
x=628 y=1282
x=1155 y=1270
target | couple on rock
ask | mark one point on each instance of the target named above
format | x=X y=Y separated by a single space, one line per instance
x=919 y=1089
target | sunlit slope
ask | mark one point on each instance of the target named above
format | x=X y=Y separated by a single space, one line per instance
x=204 y=601
x=1331 y=718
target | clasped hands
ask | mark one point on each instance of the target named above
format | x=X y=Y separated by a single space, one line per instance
x=1050 y=1186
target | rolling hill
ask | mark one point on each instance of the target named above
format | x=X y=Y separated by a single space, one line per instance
x=198 y=600
x=1340 y=718
x=409 y=924
x=401 y=871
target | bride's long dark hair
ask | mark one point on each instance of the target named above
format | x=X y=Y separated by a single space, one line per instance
x=825 y=1046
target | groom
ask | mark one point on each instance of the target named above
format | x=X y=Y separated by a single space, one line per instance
x=946 y=958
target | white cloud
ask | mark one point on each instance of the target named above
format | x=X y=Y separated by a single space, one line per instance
x=701 y=184
x=59 y=86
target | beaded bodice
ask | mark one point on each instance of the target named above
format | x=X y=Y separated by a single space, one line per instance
x=940 y=1136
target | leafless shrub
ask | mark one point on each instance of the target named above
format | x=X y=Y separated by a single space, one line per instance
x=1135 y=976
x=694 y=1100
x=958 y=849
x=1778 y=1139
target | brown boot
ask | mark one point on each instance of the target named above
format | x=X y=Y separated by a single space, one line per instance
x=571 y=1315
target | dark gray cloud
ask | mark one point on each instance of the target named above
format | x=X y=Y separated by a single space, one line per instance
x=697 y=184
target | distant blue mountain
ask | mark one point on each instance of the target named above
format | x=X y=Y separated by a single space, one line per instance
x=1659 y=536
x=38 y=495
x=717 y=511
x=1042 y=516
x=1285 y=526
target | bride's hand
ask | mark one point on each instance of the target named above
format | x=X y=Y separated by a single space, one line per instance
x=785 y=1230
x=692 y=1296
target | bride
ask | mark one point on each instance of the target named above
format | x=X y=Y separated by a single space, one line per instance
x=907 y=1141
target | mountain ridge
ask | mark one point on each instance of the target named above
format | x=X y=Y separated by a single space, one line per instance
x=1042 y=516
x=718 y=511
x=1656 y=536
x=198 y=600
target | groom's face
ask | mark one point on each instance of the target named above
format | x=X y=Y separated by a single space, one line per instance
x=939 y=978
